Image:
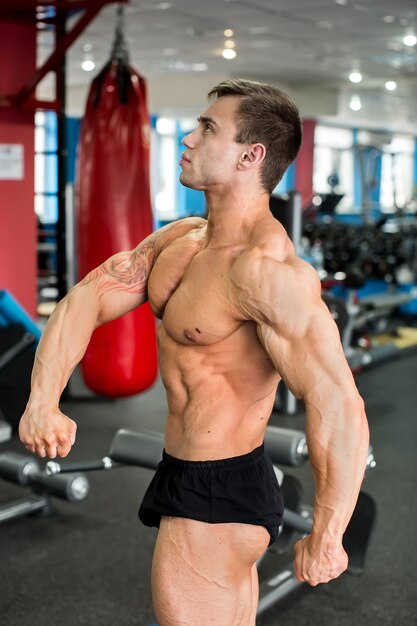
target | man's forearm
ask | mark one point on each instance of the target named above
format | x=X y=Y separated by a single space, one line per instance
x=63 y=344
x=338 y=443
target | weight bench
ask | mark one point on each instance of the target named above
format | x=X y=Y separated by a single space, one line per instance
x=284 y=447
x=24 y=470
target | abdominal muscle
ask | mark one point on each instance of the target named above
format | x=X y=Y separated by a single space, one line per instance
x=220 y=396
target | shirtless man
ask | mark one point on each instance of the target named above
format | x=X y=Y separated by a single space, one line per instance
x=239 y=312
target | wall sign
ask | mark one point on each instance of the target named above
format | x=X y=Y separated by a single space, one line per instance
x=11 y=161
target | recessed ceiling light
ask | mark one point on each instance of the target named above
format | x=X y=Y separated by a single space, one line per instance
x=88 y=65
x=228 y=53
x=169 y=52
x=163 y=6
x=355 y=77
x=228 y=32
x=410 y=40
x=341 y=2
x=355 y=103
x=388 y=19
x=229 y=43
x=391 y=85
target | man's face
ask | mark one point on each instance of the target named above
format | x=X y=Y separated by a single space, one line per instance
x=211 y=154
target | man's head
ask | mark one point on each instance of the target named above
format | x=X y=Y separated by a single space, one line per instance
x=268 y=116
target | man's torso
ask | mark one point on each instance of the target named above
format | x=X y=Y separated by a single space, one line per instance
x=219 y=380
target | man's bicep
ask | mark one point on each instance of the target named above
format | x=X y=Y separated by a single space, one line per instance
x=119 y=284
x=311 y=361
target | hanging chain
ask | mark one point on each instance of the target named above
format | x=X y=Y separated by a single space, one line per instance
x=120 y=50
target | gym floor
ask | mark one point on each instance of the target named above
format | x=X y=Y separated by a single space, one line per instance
x=90 y=563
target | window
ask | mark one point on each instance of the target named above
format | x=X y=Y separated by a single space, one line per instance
x=397 y=173
x=333 y=155
x=46 y=167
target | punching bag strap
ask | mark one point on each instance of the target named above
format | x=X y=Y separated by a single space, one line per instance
x=120 y=56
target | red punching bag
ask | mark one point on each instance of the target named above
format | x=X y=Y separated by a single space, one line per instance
x=115 y=214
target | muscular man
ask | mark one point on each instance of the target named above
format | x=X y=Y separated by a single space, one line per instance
x=239 y=312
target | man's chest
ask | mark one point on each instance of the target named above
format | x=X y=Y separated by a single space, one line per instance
x=192 y=291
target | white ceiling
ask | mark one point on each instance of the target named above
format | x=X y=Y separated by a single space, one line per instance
x=309 y=44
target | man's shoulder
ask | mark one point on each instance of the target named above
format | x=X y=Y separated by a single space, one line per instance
x=184 y=225
x=265 y=279
x=269 y=267
x=179 y=228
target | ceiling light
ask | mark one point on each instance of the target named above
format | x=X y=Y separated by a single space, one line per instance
x=88 y=65
x=228 y=53
x=228 y=32
x=170 y=52
x=388 y=19
x=341 y=2
x=391 y=85
x=229 y=43
x=410 y=40
x=355 y=77
x=355 y=103
x=163 y=6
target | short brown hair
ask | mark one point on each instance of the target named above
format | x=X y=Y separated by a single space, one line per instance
x=269 y=116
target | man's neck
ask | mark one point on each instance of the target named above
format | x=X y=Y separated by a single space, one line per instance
x=233 y=216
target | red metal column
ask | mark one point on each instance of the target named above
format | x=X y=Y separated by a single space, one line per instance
x=18 y=233
x=304 y=164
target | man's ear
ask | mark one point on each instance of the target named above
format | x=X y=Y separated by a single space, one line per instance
x=254 y=155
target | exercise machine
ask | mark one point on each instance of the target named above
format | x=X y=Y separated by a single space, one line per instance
x=25 y=470
x=19 y=336
x=284 y=447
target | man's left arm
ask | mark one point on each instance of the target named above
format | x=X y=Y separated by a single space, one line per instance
x=302 y=340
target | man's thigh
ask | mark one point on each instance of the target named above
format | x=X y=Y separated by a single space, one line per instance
x=202 y=574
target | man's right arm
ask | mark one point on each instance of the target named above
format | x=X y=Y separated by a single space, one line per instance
x=114 y=288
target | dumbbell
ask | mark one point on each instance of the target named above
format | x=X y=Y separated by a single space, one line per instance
x=25 y=470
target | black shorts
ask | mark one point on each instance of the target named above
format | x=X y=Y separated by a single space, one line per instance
x=240 y=489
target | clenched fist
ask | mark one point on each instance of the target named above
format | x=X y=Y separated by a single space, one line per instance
x=47 y=432
x=315 y=563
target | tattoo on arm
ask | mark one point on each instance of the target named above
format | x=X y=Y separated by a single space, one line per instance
x=131 y=268
x=129 y=271
x=126 y=271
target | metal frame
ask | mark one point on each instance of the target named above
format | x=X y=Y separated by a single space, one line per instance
x=33 y=12
x=25 y=10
